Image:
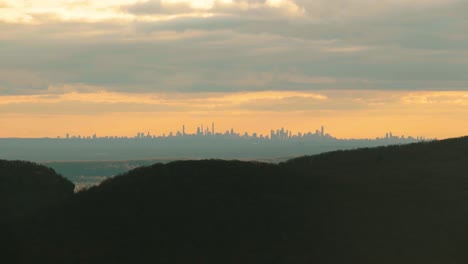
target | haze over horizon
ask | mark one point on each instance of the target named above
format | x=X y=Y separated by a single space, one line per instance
x=359 y=67
x=212 y=130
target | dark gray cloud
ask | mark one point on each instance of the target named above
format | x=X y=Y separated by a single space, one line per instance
x=411 y=49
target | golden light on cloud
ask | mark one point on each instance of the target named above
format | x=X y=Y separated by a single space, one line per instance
x=199 y=100
x=36 y=12
x=437 y=98
x=346 y=114
x=255 y=65
x=196 y=4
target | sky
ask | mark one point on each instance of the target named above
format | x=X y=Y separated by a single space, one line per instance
x=361 y=68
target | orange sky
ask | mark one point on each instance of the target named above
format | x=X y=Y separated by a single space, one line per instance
x=345 y=114
x=118 y=67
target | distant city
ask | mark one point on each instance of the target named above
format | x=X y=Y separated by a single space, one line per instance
x=205 y=143
x=206 y=131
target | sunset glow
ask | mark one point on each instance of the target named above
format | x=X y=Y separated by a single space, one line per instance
x=345 y=114
x=360 y=68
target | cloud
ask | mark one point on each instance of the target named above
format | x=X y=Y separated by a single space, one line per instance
x=266 y=8
x=72 y=102
x=346 y=113
x=437 y=98
x=158 y=7
x=358 y=9
x=78 y=4
x=350 y=49
x=157 y=10
x=250 y=63
x=242 y=46
x=4 y=5
x=315 y=10
x=84 y=100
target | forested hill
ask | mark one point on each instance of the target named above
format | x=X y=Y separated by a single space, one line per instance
x=429 y=151
x=398 y=204
x=26 y=188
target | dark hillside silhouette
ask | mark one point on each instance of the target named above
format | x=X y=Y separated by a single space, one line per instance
x=397 y=204
x=182 y=212
x=26 y=188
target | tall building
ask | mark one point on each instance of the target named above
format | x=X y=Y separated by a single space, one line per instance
x=212 y=128
x=322 y=133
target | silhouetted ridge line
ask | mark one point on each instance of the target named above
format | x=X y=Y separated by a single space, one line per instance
x=425 y=149
x=397 y=204
x=27 y=187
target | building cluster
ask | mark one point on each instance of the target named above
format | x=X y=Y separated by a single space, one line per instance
x=282 y=134
x=209 y=132
x=390 y=136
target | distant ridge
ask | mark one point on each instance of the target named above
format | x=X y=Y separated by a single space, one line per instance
x=395 y=204
x=230 y=146
x=446 y=148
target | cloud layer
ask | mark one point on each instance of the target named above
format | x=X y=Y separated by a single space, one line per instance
x=358 y=113
x=233 y=45
x=248 y=62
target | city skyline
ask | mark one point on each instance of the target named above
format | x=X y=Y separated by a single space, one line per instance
x=192 y=143
x=207 y=131
x=184 y=144
x=432 y=114
x=204 y=130
x=111 y=67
